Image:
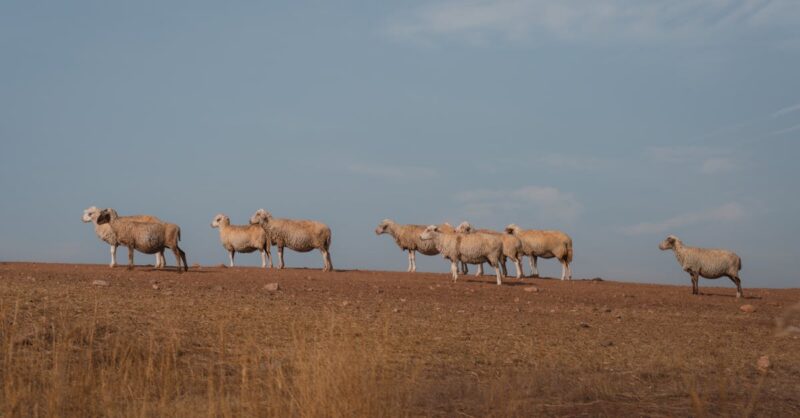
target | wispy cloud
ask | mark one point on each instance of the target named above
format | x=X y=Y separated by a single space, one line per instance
x=786 y=110
x=593 y=21
x=709 y=160
x=726 y=213
x=787 y=130
x=393 y=172
x=537 y=203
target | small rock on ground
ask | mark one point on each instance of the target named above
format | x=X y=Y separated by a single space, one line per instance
x=271 y=287
x=533 y=289
x=100 y=283
x=747 y=308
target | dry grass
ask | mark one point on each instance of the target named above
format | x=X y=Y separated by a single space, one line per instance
x=356 y=344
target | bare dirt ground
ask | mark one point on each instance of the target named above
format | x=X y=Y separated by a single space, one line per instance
x=215 y=342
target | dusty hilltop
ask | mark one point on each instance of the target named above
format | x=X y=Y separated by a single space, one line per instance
x=81 y=340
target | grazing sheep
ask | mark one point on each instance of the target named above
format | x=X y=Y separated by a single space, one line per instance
x=512 y=248
x=299 y=235
x=145 y=237
x=243 y=239
x=105 y=233
x=706 y=262
x=472 y=248
x=545 y=244
x=408 y=239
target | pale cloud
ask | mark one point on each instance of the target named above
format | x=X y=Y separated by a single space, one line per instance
x=536 y=203
x=594 y=21
x=709 y=160
x=393 y=172
x=716 y=165
x=726 y=213
x=786 y=110
x=787 y=130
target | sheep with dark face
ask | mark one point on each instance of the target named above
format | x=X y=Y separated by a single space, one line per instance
x=407 y=237
x=711 y=263
x=242 y=239
x=472 y=248
x=298 y=235
x=145 y=237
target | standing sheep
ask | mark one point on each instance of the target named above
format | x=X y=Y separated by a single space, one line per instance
x=408 y=239
x=105 y=233
x=512 y=248
x=145 y=237
x=473 y=248
x=545 y=244
x=299 y=235
x=242 y=238
x=706 y=262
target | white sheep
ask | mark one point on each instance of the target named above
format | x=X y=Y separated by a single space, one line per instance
x=105 y=233
x=512 y=248
x=545 y=244
x=472 y=248
x=242 y=239
x=298 y=235
x=705 y=262
x=408 y=239
x=145 y=237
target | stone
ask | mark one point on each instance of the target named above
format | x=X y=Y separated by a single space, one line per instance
x=271 y=287
x=747 y=308
x=100 y=283
x=532 y=289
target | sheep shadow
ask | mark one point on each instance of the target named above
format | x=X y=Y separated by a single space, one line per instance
x=732 y=296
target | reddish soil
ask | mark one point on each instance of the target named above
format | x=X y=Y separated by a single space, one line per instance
x=470 y=348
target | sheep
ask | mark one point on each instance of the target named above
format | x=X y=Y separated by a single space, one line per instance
x=710 y=263
x=243 y=239
x=472 y=248
x=545 y=244
x=512 y=248
x=146 y=237
x=105 y=233
x=299 y=235
x=408 y=239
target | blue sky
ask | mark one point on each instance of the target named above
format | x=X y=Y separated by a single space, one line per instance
x=617 y=121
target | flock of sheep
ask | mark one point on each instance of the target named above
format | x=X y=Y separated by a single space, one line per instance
x=461 y=245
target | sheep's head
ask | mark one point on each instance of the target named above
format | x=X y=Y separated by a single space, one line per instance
x=429 y=233
x=220 y=219
x=446 y=227
x=464 y=228
x=512 y=229
x=90 y=214
x=668 y=243
x=383 y=227
x=260 y=217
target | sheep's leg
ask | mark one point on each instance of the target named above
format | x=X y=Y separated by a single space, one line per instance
x=280 y=257
x=413 y=261
x=130 y=258
x=569 y=271
x=464 y=268
x=183 y=258
x=738 y=283
x=503 y=266
x=497 y=272
x=695 y=287
x=563 y=270
x=263 y=258
x=480 y=270
x=179 y=254
x=410 y=268
x=518 y=265
x=326 y=259
x=231 y=254
x=113 y=256
x=454 y=270
x=269 y=254
x=534 y=266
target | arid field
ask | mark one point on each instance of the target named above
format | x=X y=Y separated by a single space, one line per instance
x=216 y=342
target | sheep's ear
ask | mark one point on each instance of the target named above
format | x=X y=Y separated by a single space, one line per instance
x=104 y=217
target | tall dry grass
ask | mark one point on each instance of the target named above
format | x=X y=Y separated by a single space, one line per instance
x=63 y=364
